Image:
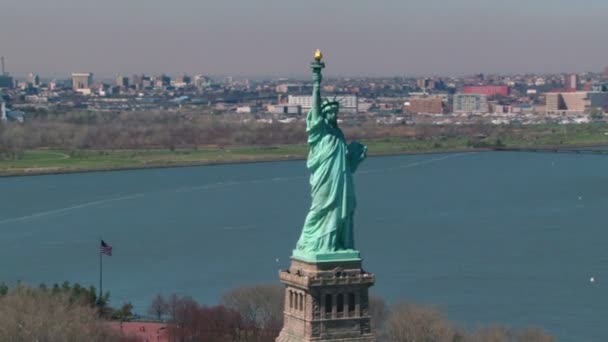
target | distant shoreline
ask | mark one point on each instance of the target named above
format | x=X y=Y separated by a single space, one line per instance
x=57 y=170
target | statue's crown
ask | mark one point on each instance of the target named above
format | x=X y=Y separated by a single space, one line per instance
x=330 y=103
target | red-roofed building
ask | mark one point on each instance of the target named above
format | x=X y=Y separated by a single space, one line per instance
x=145 y=331
x=487 y=90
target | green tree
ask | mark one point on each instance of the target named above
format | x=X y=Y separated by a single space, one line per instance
x=597 y=114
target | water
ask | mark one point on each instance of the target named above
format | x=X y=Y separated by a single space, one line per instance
x=488 y=237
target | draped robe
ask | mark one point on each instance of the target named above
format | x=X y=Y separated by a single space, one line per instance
x=329 y=224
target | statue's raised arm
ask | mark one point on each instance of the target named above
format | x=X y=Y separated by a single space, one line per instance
x=317 y=77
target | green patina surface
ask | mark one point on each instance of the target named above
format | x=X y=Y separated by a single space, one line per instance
x=328 y=233
x=344 y=255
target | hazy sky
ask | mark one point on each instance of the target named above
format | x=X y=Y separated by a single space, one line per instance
x=277 y=37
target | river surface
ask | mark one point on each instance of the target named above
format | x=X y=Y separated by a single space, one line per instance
x=501 y=237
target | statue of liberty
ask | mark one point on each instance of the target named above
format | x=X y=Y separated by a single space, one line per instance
x=328 y=229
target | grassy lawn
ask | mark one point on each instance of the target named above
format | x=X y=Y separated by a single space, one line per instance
x=45 y=161
x=34 y=161
x=48 y=161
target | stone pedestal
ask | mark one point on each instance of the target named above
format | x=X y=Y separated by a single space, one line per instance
x=326 y=301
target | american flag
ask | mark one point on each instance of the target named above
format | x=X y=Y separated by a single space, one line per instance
x=105 y=248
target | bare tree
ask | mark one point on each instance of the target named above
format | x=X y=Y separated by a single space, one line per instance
x=173 y=303
x=494 y=333
x=158 y=307
x=260 y=306
x=201 y=323
x=413 y=323
x=12 y=141
x=498 y=333
x=535 y=335
x=28 y=314
x=379 y=313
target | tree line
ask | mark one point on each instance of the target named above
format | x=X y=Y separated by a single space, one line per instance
x=255 y=314
x=161 y=130
x=246 y=314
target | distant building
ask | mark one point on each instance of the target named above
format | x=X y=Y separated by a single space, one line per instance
x=285 y=109
x=426 y=105
x=348 y=104
x=33 y=80
x=10 y=115
x=15 y=115
x=571 y=81
x=6 y=82
x=245 y=110
x=162 y=81
x=185 y=79
x=487 y=90
x=2 y=110
x=146 y=82
x=425 y=83
x=136 y=81
x=531 y=92
x=81 y=82
x=470 y=103
x=294 y=88
x=575 y=102
x=36 y=99
x=122 y=81
x=181 y=81
x=202 y=81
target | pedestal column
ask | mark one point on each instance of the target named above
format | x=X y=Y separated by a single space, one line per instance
x=335 y=305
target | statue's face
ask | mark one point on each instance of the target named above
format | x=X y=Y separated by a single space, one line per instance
x=331 y=114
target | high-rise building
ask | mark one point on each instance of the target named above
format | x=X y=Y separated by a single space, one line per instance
x=184 y=79
x=572 y=81
x=81 y=82
x=33 y=80
x=136 y=81
x=470 y=103
x=425 y=83
x=6 y=82
x=122 y=81
x=606 y=72
x=162 y=81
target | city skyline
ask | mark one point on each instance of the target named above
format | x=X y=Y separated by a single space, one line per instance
x=274 y=38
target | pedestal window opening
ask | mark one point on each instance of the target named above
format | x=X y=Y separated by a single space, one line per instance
x=290 y=299
x=340 y=304
x=351 y=304
x=328 y=304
